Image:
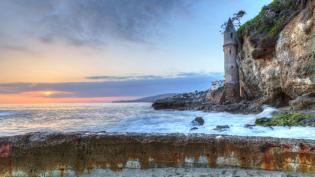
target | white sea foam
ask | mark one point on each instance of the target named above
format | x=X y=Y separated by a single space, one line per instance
x=267 y=112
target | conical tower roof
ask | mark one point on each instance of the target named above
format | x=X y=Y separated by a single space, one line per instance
x=229 y=26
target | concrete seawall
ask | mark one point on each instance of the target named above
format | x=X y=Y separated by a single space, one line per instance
x=85 y=153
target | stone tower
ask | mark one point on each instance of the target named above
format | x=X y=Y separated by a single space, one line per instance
x=231 y=83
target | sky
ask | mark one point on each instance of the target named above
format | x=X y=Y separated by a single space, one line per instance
x=104 y=50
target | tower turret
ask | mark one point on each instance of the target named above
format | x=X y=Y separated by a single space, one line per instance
x=230 y=64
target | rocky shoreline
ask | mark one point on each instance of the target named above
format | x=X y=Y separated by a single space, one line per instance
x=202 y=101
x=199 y=101
x=303 y=106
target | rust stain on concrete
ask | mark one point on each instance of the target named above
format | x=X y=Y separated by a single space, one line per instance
x=5 y=149
x=34 y=154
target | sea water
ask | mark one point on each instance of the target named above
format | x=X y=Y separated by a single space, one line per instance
x=134 y=117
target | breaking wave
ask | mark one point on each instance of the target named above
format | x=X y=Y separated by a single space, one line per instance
x=267 y=112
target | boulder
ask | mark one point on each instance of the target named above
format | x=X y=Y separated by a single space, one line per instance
x=194 y=128
x=306 y=101
x=250 y=126
x=308 y=122
x=198 y=121
x=221 y=128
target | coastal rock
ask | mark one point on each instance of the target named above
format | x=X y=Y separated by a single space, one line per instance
x=215 y=96
x=221 y=128
x=205 y=104
x=306 y=101
x=194 y=128
x=198 y=121
x=181 y=101
x=308 y=122
x=250 y=126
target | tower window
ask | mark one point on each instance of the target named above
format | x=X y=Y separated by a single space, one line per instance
x=230 y=52
x=232 y=35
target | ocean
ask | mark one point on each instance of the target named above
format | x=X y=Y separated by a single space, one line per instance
x=133 y=117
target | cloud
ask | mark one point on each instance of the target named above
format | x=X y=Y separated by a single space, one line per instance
x=152 y=77
x=196 y=74
x=124 y=86
x=83 y=22
x=15 y=48
x=18 y=48
x=122 y=78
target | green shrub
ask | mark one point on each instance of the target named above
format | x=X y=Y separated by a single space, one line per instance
x=260 y=27
x=279 y=119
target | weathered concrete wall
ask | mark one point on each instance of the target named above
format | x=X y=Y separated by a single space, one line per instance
x=179 y=172
x=56 y=155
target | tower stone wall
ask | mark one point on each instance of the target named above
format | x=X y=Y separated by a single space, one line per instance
x=232 y=91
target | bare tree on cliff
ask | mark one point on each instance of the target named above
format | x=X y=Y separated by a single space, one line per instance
x=236 y=19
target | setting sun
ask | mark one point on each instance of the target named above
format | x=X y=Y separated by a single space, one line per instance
x=47 y=93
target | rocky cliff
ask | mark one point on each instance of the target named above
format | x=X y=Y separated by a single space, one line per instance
x=276 y=61
x=278 y=69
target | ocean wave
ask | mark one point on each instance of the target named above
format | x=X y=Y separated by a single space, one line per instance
x=5 y=114
x=267 y=112
x=138 y=118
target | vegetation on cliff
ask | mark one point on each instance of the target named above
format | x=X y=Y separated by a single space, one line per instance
x=281 y=119
x=263 y=30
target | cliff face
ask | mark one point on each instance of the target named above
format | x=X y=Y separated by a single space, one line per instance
x=288 y=72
